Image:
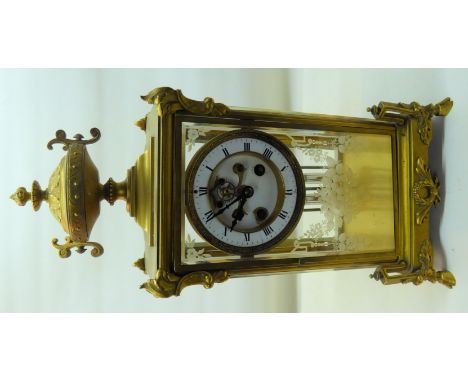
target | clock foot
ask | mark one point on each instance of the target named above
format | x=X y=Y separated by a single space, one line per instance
x=167 y=284
x=399 y=273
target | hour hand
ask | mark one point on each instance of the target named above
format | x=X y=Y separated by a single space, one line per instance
x=238 y=213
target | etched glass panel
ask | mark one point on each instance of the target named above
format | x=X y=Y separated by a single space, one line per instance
x=349 y=194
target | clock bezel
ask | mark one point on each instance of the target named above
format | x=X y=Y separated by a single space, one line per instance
x=195 y=163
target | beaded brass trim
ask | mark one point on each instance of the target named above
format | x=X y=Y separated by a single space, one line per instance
x=75 y=194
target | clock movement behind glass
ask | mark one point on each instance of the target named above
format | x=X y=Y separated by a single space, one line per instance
x=224 y=192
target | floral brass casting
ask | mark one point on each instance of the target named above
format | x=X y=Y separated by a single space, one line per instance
x=425 y=191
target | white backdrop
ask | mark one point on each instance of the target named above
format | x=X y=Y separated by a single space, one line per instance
x=36 y=103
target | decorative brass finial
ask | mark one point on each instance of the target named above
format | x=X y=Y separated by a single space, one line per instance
x=74 y=193
x=141 y=123
x=140 y=264
x=443 y=107
x=22 y=196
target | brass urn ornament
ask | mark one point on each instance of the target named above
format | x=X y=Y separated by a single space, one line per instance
x=228 y=192
x=74 y=193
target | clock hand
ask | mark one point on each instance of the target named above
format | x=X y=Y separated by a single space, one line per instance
x=220 y=211
x=239 y=169
x=246 y=192
x=238 y=214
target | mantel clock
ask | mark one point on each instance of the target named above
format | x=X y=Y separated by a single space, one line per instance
x=226 y=192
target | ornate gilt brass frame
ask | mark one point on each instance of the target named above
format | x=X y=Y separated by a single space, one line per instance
x=154 y=187
x=410 y=127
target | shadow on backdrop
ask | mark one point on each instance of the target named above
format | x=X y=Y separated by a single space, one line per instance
x=437 y=167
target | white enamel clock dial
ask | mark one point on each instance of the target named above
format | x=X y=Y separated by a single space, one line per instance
x=244 y=192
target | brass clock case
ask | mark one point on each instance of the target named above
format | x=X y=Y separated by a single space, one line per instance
x=155 y=191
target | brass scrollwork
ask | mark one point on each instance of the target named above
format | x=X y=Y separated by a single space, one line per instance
x=207 y=279
x=399 y=112
x=427 y=272
x=424 y=116
x=425 y=191
x=64 y=250
x=61 y=137
x=163 y=285
x=166 y=284
x=170 y=100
